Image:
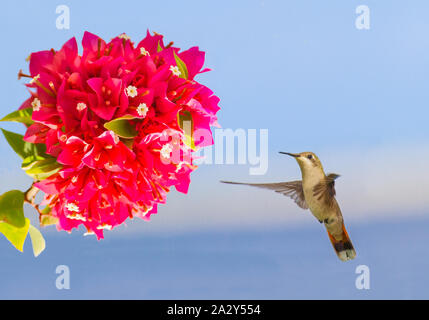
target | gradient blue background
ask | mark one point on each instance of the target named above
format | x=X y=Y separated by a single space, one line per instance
x=358 y=98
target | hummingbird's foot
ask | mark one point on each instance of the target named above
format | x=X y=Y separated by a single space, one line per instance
x=329 y=221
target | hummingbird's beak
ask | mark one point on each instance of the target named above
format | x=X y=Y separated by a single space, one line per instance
x=296 y=155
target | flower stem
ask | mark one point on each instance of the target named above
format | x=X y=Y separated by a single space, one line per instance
x=30 y=197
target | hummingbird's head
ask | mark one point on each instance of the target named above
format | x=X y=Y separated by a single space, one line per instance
x=306 y=160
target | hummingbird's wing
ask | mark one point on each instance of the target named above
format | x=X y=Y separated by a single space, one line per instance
x=291 y=189
x=326 y=188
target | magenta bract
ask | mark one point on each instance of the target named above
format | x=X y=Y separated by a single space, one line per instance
x=108 y=175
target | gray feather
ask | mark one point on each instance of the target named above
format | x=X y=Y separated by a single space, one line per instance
x=291 y=189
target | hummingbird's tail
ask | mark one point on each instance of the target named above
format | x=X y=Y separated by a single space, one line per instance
x=344 y=247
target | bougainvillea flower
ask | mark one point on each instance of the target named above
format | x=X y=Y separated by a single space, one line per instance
x=115 y=120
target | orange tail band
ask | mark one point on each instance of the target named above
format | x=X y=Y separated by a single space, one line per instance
x=344 y=247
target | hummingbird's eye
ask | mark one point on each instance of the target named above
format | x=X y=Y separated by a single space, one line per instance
x=310 y=156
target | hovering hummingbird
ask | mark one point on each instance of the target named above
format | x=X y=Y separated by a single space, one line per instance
x=316 y=192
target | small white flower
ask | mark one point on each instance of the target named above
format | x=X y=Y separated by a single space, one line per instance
x=74 y=179
x=175 y=70
x=131 y=91
x=147 y=210
x=90 y=232
x=166 y=151
x=124 y=36
x=104 y=226
x=142 y=109
x=52 y=86
x=144 y=52
x=36 y=104
x=35 y=78
x=76 y=216
x=72 y=207
x=81 y=106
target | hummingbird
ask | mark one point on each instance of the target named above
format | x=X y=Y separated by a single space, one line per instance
x=316 y=191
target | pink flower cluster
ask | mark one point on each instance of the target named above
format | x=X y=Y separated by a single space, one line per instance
x=105 y=177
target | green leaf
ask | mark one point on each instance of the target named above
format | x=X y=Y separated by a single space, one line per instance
x=12 y=208
x=30 y=161
x=46 y=210
x=159 y=48
x=22 y=148
x=37 y=240
x=47 y=220
x=122 y=127
x=22 y=116
x=42 y=169
x=128 y=142
x=185 y=121
x=182 y=66
x=15 y=235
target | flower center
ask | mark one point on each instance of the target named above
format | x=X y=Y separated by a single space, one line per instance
x=36 y=104
x=81 y=106
x=175 y=70
x=166 y=150
x=36 y=78
x=72 y=207
x=131 y=91
x=144 y=52
x=142 y=109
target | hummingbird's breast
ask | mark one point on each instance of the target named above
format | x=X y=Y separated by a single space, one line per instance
x=317 y=206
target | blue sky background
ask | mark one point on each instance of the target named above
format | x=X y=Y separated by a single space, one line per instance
x=357 y=98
